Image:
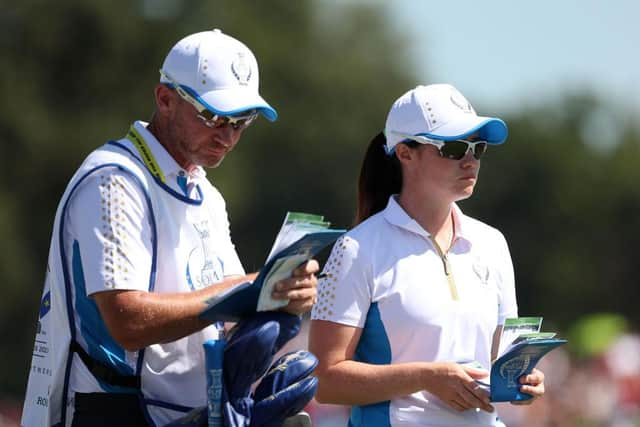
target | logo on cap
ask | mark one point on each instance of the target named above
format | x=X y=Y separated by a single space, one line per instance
x=241 y=68
x=461 y=102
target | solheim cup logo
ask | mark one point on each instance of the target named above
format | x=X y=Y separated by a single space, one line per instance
x=241 y=68
x=515 y=367
x=460 y=101
x=204 y=266
x=482 y=271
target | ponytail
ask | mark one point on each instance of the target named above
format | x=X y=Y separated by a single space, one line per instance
x=380 y=177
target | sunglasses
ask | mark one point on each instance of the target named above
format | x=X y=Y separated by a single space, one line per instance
x=454 y=150
x=209 y=118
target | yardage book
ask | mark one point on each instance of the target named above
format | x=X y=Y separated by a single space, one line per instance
x=522 y=345
x=300 y=238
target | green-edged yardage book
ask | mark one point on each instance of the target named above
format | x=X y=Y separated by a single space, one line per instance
x=522 y=345
x=300 y=238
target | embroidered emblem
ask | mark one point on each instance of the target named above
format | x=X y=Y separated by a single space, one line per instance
x=241 y=68
x=482 y=271
x=460 y=101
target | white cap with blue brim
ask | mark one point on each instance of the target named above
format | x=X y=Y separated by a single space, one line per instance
x=441 y=112
x=219 y=71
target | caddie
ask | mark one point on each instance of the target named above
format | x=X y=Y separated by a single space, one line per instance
x=140 y=241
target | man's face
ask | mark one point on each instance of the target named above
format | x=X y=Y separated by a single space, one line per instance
x=197 y=144
x=181 y=130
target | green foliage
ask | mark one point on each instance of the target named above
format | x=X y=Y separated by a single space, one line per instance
x=568 y=209
x=592 y=334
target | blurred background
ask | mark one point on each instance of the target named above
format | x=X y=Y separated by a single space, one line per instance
x=564 y=189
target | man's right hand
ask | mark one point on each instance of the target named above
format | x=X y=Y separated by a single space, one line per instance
x=300 y=289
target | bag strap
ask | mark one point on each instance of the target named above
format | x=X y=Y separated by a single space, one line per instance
x=104 y=372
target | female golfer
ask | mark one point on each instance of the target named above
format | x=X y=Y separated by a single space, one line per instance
x=417 y=291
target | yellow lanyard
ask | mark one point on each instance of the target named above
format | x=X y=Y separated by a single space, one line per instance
x=145 y=153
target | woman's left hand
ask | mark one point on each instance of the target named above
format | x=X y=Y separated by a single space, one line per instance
x=532 y=384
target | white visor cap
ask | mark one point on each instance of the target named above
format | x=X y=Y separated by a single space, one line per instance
x=219 y=71
x=440 y=112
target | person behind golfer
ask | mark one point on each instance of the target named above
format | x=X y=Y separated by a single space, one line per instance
x=417 y=288
x=140 y=241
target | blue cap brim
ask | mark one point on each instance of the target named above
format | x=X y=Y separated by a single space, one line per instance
x=490 y=129
x=494 y=131
x=263 y=108
x=241 y=102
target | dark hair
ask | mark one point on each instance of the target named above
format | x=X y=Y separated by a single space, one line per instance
x=380 y=177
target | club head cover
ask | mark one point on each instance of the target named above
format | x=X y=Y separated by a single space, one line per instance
x=247 y=356
x=274 y=409
x=248 y=353
x=289 y=325
x=288 y=369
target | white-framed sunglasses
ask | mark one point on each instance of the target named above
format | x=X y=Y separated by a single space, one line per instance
x=209 y=118
x=454 y=149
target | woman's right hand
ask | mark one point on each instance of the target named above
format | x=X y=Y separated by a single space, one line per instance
x=455 y=385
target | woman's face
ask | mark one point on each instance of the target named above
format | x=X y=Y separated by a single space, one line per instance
x=425 y=171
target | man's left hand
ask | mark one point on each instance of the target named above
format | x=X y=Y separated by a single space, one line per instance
x=299 y=289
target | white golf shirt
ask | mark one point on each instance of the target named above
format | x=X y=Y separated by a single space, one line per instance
x=121 y=226
x=387 y=277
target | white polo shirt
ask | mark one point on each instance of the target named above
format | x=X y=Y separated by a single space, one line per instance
x=387 y=277
x=120 y=226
